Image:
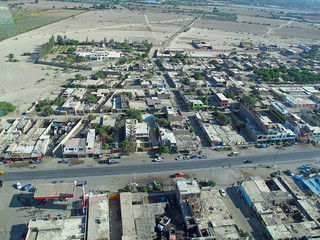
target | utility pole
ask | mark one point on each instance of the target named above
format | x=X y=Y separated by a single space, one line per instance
x=275 y=157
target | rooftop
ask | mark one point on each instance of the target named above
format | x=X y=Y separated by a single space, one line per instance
x=58 y=190
x=56 y=228
x=98 y=217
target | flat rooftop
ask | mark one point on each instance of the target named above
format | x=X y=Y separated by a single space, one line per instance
x=58 y=190
x=56 y=228
x=98 y=217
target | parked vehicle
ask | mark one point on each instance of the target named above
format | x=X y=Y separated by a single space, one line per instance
x=223 y=192
x=158 y=159
x=179 y=174
x=179 y=158
x=203 y=156
x=26 y=187
x=64 y=161
x=36 y=161
x=1 y=183
x=1 y=172
x=305 y=166
x=234 y=154
x=113 y=160
x=263 y=146
x=194 y=156
x=290 y=173
x=186 y=157
x=18 y=185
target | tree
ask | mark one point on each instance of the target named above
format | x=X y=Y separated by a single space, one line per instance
x=98 y=75
x=197 y=76
x=91 y=117
x=164 y=149
x=240 y=125
x=48 y=111
x=59 y=101
x=91 y=99
x=250 y=100
x=132 y=138
x=230 y=94
x=5 y=108
x=105 y=146
x=212 y=183
x=59 y=40
x=124 y=144
x=134 y=114
x=78 y=76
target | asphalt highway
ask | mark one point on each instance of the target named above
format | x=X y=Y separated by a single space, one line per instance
x=165 y=167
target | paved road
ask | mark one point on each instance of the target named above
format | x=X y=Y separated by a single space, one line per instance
x=172 y=167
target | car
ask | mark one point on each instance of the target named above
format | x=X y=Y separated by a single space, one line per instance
x=186 y=157
x=194 y=156
x=56 y=181
x=158 y=159
x=36 y=161
x=64 y=161
x=290 y=173
x=179 y=158
x=247 y=161
x=1 y=183
x=179 y=174
x=1 y=172
x=222 y=192
x=203 y=156
x=26 y=187
x=18 y=185
x=234 y=154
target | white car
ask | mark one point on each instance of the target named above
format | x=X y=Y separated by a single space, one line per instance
x=223 y=192
x=179 y=158
x=19 y=185
x=159 y=159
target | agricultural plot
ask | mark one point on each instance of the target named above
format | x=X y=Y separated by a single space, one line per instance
x=26 y=20
x=230 y=26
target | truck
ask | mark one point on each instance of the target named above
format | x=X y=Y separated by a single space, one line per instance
x=234 y=154
x=113 y=159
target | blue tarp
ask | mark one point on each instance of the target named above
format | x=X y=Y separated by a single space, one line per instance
x=313 y=184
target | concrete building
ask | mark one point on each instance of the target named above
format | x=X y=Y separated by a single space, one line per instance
x=56 y=228
x=282 y=215
x=80 y=146
x=222 y=100
x=300 y=102
x=261 y=129
x=137 y=216
x=70 y=106
x=204 y=214
x=98 y=225
x=99 y=55
x=167 y=138
x=90 y=141
x=141 y=131
x=173 y=115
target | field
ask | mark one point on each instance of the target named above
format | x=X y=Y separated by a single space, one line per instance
x=26 y=20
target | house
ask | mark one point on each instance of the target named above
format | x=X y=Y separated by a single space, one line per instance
x=195 y=104
x=70 y=106
x=167 y=138
x=222 y=100
x=141 y=132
